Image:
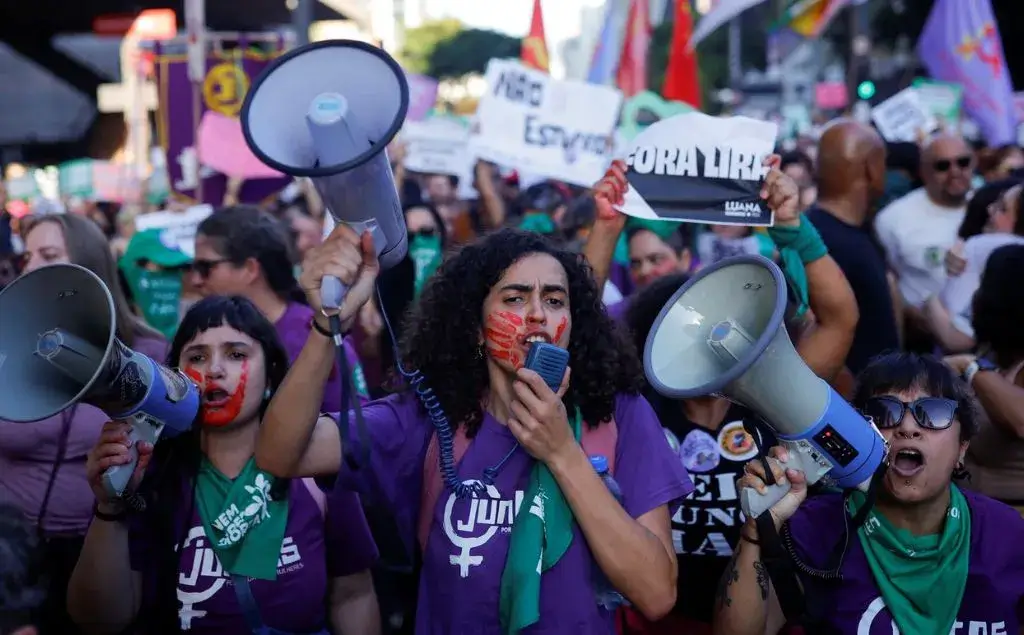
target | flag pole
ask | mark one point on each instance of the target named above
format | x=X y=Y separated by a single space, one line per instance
x=195 y=25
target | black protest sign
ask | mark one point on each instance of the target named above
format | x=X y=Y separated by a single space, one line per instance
x=699 y=169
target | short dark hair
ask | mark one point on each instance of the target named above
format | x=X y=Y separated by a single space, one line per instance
x=998 y=309
x=23 y=581
x=899 y=372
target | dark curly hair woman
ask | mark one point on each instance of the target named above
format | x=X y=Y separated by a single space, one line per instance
x=518 y=500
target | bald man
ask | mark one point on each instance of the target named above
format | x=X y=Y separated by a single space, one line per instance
x=851 y=178
x=918 y=229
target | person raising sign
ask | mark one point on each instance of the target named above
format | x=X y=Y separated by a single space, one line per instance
x=537 y=496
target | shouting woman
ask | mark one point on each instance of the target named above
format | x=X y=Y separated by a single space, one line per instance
x=222 y=547
x=524 y=491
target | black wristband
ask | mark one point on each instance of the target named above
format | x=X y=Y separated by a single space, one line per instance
x=319 y=329
x=110 y=518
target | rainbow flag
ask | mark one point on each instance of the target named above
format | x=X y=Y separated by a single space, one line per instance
x=808 y=18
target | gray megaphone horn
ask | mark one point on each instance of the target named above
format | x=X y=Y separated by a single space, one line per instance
x=327 y=111
x=722 y=333
x=58 y=347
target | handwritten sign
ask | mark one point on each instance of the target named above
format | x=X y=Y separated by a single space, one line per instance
x=902 y=117
x=560 y=129
x=438 y=145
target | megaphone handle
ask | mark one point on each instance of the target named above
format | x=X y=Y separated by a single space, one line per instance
x=754 y=503
x=332 y=292
x=117 y=477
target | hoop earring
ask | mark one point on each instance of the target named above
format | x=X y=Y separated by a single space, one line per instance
x=266 y=394
x=479 y=351
x=960 y=472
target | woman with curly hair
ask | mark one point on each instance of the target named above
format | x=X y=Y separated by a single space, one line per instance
x=524 y=523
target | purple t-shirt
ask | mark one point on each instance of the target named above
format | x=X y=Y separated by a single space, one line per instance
x=469 y=539
x=995 y=579
x=28 y=452
x=313 y=552
x=293 y=330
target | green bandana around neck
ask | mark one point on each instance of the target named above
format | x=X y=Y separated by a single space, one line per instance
x=425 y=252
x=540 y=537
x=244 y=526
x=537 y=222
x=921 y=578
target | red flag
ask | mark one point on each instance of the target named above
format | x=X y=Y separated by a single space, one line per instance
x=682 y=81
x=534 y=50
x=632 y=74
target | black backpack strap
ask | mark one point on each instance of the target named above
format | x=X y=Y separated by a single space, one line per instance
x=781 y=571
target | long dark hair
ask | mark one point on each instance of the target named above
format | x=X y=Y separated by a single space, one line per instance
x=997 y=310
x=440 y=337
x=976 y=216
x=171 y=478
x=242 y=232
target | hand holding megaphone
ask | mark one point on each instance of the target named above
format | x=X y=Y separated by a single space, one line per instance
x=782 y=498
x=344 y=267
x=115 y=448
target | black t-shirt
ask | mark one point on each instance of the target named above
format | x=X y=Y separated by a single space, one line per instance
x=706 y=528
x=862 y=261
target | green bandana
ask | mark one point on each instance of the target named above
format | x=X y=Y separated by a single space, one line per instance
x=540 y=537
x=537 y=222
x=244 y=526
x=158 y=296
x=921 y=578
x=425 y=252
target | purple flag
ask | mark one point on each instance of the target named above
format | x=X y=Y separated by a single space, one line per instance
x=229 y=74
x=422 y=96
x=960 y=43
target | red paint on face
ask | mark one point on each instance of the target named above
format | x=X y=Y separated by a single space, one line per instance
x=502 y=332
x=225 y=412
x=560 y=330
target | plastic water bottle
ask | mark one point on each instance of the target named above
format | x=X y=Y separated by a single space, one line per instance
x=605 y=594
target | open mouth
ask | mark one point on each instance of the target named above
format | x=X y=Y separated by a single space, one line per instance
x=215 y=397
x=533 y=338
x=907 y=462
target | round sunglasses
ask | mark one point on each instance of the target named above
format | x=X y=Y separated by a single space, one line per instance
x=931 y=413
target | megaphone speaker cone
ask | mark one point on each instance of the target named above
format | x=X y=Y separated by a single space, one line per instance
x=358 y=81
x=56 y=335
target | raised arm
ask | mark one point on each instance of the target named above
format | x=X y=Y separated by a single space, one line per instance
x=294 y=440
x=600 y=246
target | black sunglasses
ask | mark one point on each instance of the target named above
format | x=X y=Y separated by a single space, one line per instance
x=426 y=232
x=205 y=267
x=943 y=165
x=931 y=413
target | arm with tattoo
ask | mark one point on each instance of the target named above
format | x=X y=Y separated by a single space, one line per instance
x=746 y=603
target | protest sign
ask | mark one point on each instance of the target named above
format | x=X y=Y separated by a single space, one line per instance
x=438 y=145
x=179 y=227
x=943 y=99
x=99 y=181
x=222 y=147
x=694 y=168
x=561 y=129
x=902 y=117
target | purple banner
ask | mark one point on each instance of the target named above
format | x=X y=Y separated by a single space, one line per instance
x=960 y=43
x=229 y=74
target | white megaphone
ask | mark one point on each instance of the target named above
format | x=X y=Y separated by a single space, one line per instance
x=327 y=111
x=58 y=347
x=722 y=333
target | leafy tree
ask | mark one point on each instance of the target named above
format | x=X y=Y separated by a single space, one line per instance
x=469 y=50
x=421 y=42
x=446 y=49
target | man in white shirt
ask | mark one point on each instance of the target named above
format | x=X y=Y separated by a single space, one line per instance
x=917 y=230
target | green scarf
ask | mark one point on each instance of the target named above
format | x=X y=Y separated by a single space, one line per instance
x=425 y=252
x=158 y=296
x=540 y=537
x=921 y=578
x=244 y=526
